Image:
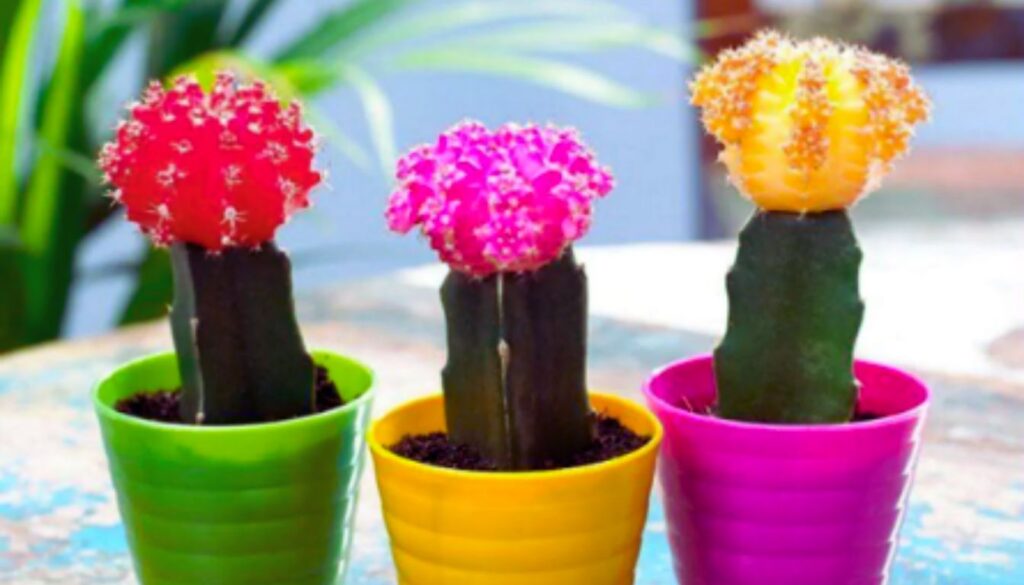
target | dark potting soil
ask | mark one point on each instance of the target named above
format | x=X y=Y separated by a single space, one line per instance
x=612 y=440
x=162 y=405
x=865 y=416
x=327 y=396
x=858 y=416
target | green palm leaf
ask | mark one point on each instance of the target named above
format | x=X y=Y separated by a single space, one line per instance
x=378 y=113
x=569 y=79
x=107 y=33
x=308 y=76
x=250 y=20
x=181 y=34
x=450 y=18
x=577 y=37
x=339 y=26
x=152 y=293
x=8 y=10
x=12 y=294
x=51 y=216
x=338 y=139
x=13 y=76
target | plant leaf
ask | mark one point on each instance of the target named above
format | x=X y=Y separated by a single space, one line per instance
x=9 y=237
x=13 y=75
x=8 y=10
x=250 y=20
x=106 y=36
x=578 y=37
x=339 y=26
x=153 y=288
x=290 y=80
x=569 y=79
x=50 y=204
x=41 y=205
x=456 y=17
x=181 y=35
x=338 y=139
x=80 y=164
x=378 y=112
x=12 y=293
x=309 y=77
x=204 y=68
x=108 y=30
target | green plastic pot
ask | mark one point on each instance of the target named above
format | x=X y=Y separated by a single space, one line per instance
x=268 y=503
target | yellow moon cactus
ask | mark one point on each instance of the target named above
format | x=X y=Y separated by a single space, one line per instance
x=808 y=126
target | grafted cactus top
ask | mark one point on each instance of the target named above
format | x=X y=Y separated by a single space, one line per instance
x=217 y=169
x=808 y=126
x=509 y=200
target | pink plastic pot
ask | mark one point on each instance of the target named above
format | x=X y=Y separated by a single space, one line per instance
x=765 y=504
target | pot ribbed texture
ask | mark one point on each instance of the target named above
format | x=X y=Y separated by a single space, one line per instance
x=579 y=526
x=764 y=504
x=252 y=504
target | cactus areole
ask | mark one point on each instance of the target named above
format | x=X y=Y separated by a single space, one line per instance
x=212 y=175
x=807 y=129
x=502 y=209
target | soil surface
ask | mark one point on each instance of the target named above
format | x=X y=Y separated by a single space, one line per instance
x=162 y=405
x=858 y=416
x=612 y=440
x=865 y=416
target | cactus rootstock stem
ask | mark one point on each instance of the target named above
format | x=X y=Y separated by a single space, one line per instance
x=515 y=381
x=794 y=314
x=240 y=352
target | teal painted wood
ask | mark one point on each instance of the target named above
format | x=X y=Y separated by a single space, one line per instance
x=59 y=523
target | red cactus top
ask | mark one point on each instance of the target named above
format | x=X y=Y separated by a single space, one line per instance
x=509 y=200
x=217 y=169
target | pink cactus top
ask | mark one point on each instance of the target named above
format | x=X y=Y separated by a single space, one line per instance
x=508 y=200
x=218 y=169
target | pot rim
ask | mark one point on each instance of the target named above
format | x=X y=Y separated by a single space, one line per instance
x=649 y=449
x=109 y=412
x=900 y=418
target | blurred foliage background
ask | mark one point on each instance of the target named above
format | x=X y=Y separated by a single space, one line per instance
x=369 y=70
x=54 y=114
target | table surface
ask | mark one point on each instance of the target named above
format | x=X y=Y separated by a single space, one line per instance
x=946 y=303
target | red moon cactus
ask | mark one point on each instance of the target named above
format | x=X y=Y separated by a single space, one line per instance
x=218 y=169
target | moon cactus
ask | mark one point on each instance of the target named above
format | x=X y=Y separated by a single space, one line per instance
x=807 y=129
x=213 y=175
x=503 y=208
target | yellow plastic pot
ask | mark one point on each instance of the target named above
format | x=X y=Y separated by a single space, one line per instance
x=579 y=526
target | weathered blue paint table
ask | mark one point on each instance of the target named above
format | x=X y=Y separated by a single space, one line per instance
x=950 y=308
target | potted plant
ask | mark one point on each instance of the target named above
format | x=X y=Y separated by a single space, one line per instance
x=235 y=458
x=785 y=459
x=515 y=474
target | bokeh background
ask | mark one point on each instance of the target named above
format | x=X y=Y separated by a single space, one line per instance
x=380 y=76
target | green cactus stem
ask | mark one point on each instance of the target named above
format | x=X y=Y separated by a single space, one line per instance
x=240 y=353
x=794 y=313
x=515 y=382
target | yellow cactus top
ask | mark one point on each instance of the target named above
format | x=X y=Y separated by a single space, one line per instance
x=808 y=126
